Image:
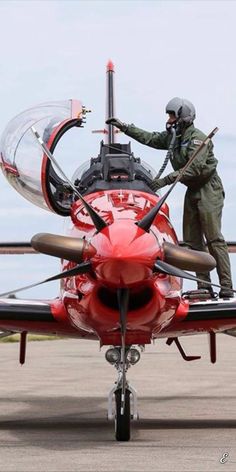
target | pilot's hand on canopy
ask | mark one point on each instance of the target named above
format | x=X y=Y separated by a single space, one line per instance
x=116 y=122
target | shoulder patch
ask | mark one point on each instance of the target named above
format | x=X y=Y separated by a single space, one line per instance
x=197 y=142
x=184 y=143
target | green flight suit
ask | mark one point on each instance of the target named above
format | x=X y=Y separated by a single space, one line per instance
x=204 y=198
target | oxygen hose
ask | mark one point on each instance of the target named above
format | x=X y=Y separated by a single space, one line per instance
x=169 y=153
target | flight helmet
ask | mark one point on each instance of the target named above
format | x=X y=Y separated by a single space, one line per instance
x=183 y=109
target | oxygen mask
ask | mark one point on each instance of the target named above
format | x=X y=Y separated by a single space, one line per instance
x=171 y=126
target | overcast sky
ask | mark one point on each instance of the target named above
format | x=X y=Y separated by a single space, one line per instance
x=55 y=50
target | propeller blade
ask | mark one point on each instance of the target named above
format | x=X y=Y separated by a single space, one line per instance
x=146 y=222
x=168 y=269
x=65 y=247
x=98 y=222
x=79 y=269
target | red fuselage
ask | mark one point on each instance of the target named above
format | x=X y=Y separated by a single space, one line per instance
x=124 y=257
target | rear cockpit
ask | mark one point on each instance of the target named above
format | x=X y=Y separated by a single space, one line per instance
x=114 y=168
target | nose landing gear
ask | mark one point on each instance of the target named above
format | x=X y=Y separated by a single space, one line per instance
x=122 y=398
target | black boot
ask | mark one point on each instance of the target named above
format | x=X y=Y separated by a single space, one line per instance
x=226 y=293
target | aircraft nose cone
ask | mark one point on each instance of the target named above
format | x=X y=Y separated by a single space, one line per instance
x=125 y=254
x=122 y=273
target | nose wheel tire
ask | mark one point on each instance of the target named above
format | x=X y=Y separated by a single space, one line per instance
x=122 y=421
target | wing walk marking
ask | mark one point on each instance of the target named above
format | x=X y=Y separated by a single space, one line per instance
x=219 y=301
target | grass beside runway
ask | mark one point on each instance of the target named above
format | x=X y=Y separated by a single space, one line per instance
x=15 y=338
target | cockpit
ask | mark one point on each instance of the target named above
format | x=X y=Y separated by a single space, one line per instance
x=114 y=168
x=30 y=171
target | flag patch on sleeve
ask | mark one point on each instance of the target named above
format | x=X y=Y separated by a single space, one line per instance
x=197 y=142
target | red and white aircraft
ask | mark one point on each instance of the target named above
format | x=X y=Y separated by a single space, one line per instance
x=122 y=265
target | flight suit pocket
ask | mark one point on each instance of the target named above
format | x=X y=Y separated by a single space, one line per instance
x=214 y=191
x=216 y=184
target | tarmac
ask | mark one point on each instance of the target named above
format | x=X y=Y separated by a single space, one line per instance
x=54 y=409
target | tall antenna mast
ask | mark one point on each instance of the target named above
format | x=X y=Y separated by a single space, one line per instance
x=110 y=106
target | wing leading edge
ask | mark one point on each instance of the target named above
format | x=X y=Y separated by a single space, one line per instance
x=203 y=317
x=212 y=310
x=38 y=316
x=27 y=315
x=25 y=310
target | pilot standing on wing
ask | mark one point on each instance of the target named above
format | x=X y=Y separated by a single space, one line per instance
x=204 y=198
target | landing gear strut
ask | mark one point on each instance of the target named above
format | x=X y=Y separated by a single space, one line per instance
x=122 y=399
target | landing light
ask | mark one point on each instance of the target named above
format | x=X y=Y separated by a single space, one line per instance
x=133 y=356
x=112 y=355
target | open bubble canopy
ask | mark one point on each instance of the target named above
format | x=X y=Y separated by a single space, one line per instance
x=24 y=163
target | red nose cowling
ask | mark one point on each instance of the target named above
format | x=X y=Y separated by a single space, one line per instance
x=125 y=254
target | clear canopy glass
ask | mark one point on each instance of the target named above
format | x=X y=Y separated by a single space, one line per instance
x=23 y=161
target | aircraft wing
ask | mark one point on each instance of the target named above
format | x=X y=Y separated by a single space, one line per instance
x=41 y=316
x=35 y=316
x=212 y=310
x=204 y=317
x=16 y=314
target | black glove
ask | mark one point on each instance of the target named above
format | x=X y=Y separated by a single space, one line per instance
x=115 y=122
x=156 y=184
